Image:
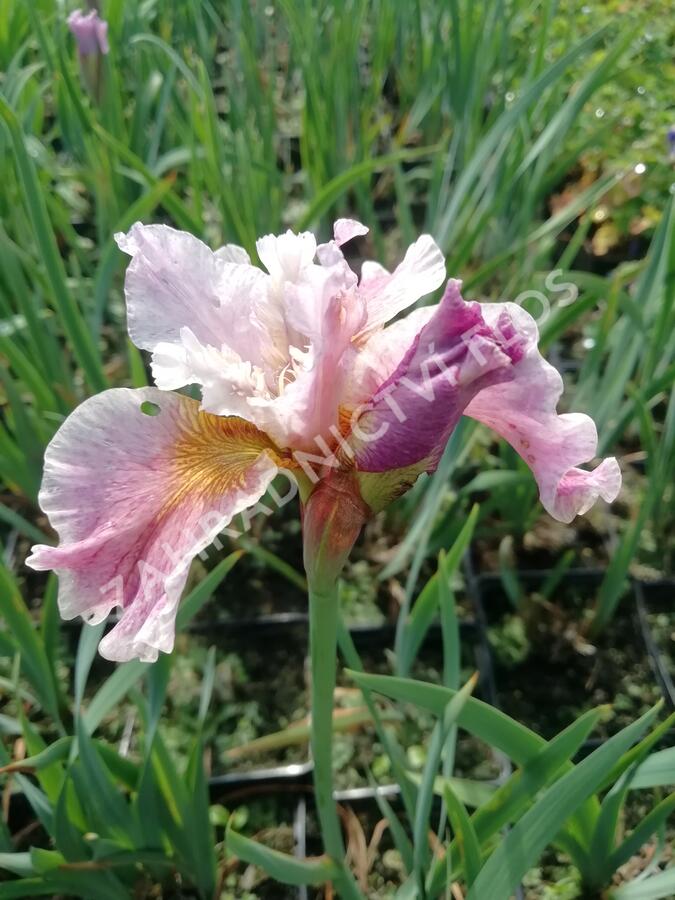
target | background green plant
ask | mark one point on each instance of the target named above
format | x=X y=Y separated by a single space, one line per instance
x=525 y=137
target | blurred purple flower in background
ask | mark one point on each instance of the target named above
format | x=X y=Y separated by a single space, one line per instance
x=671 y=141
x=91 y=32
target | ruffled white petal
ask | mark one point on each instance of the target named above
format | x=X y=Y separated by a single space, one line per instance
x=286 y=256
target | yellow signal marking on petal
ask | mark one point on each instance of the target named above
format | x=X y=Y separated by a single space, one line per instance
x=213 y=454
x=345 y=420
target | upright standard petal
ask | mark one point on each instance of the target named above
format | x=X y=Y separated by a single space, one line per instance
x=175 y=285
x=345 y=230
x=136 y=483
x=421 y=272
x=285 y=256
x=322 y=312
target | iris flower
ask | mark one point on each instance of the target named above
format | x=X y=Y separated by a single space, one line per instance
x=90 y=31
x=303 y=368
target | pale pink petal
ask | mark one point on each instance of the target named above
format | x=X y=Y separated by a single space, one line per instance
x=175 y=285
x=346 y=229
x=327 y=309
x=420 y=273
x=523 y=411
x=233 y=253
x=136 y=483
x=578 y=490
x=171 y=367
x=306 y=302
x=173 y=280
x=227 y=381
x=371 y=270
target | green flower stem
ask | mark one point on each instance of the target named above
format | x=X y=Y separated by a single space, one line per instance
x=323 y=619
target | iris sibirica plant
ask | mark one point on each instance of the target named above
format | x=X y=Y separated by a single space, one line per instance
x=304 y=369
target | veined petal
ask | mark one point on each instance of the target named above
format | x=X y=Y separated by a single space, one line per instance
x=379 y=355
x=522 y=410
x=411 y=415
x=175 y=281
x=420 y=273
x=480 y=360
x=322 y=311
x=136 y=483
x=371 y=269
x=307 y=407
x=307 y=302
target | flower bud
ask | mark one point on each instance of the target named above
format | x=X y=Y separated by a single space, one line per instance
x=91 y=32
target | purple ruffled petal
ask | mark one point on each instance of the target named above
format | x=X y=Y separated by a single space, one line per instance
x=482 y=360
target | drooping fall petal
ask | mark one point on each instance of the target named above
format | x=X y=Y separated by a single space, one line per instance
x=136 y=483
x=387 y=294
x=522 y=410
x=411 y=415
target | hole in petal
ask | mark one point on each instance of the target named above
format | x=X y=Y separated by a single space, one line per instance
x=148 y=408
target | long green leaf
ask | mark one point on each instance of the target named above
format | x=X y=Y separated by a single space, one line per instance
x=80 y=338
x=280 y=866
x=412 y=630
x=657 y=770
x=465 y=836
x=426 y=788
x=522 y=846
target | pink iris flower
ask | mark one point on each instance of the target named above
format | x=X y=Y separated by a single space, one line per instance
x=301 y=371
x=91 y=32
